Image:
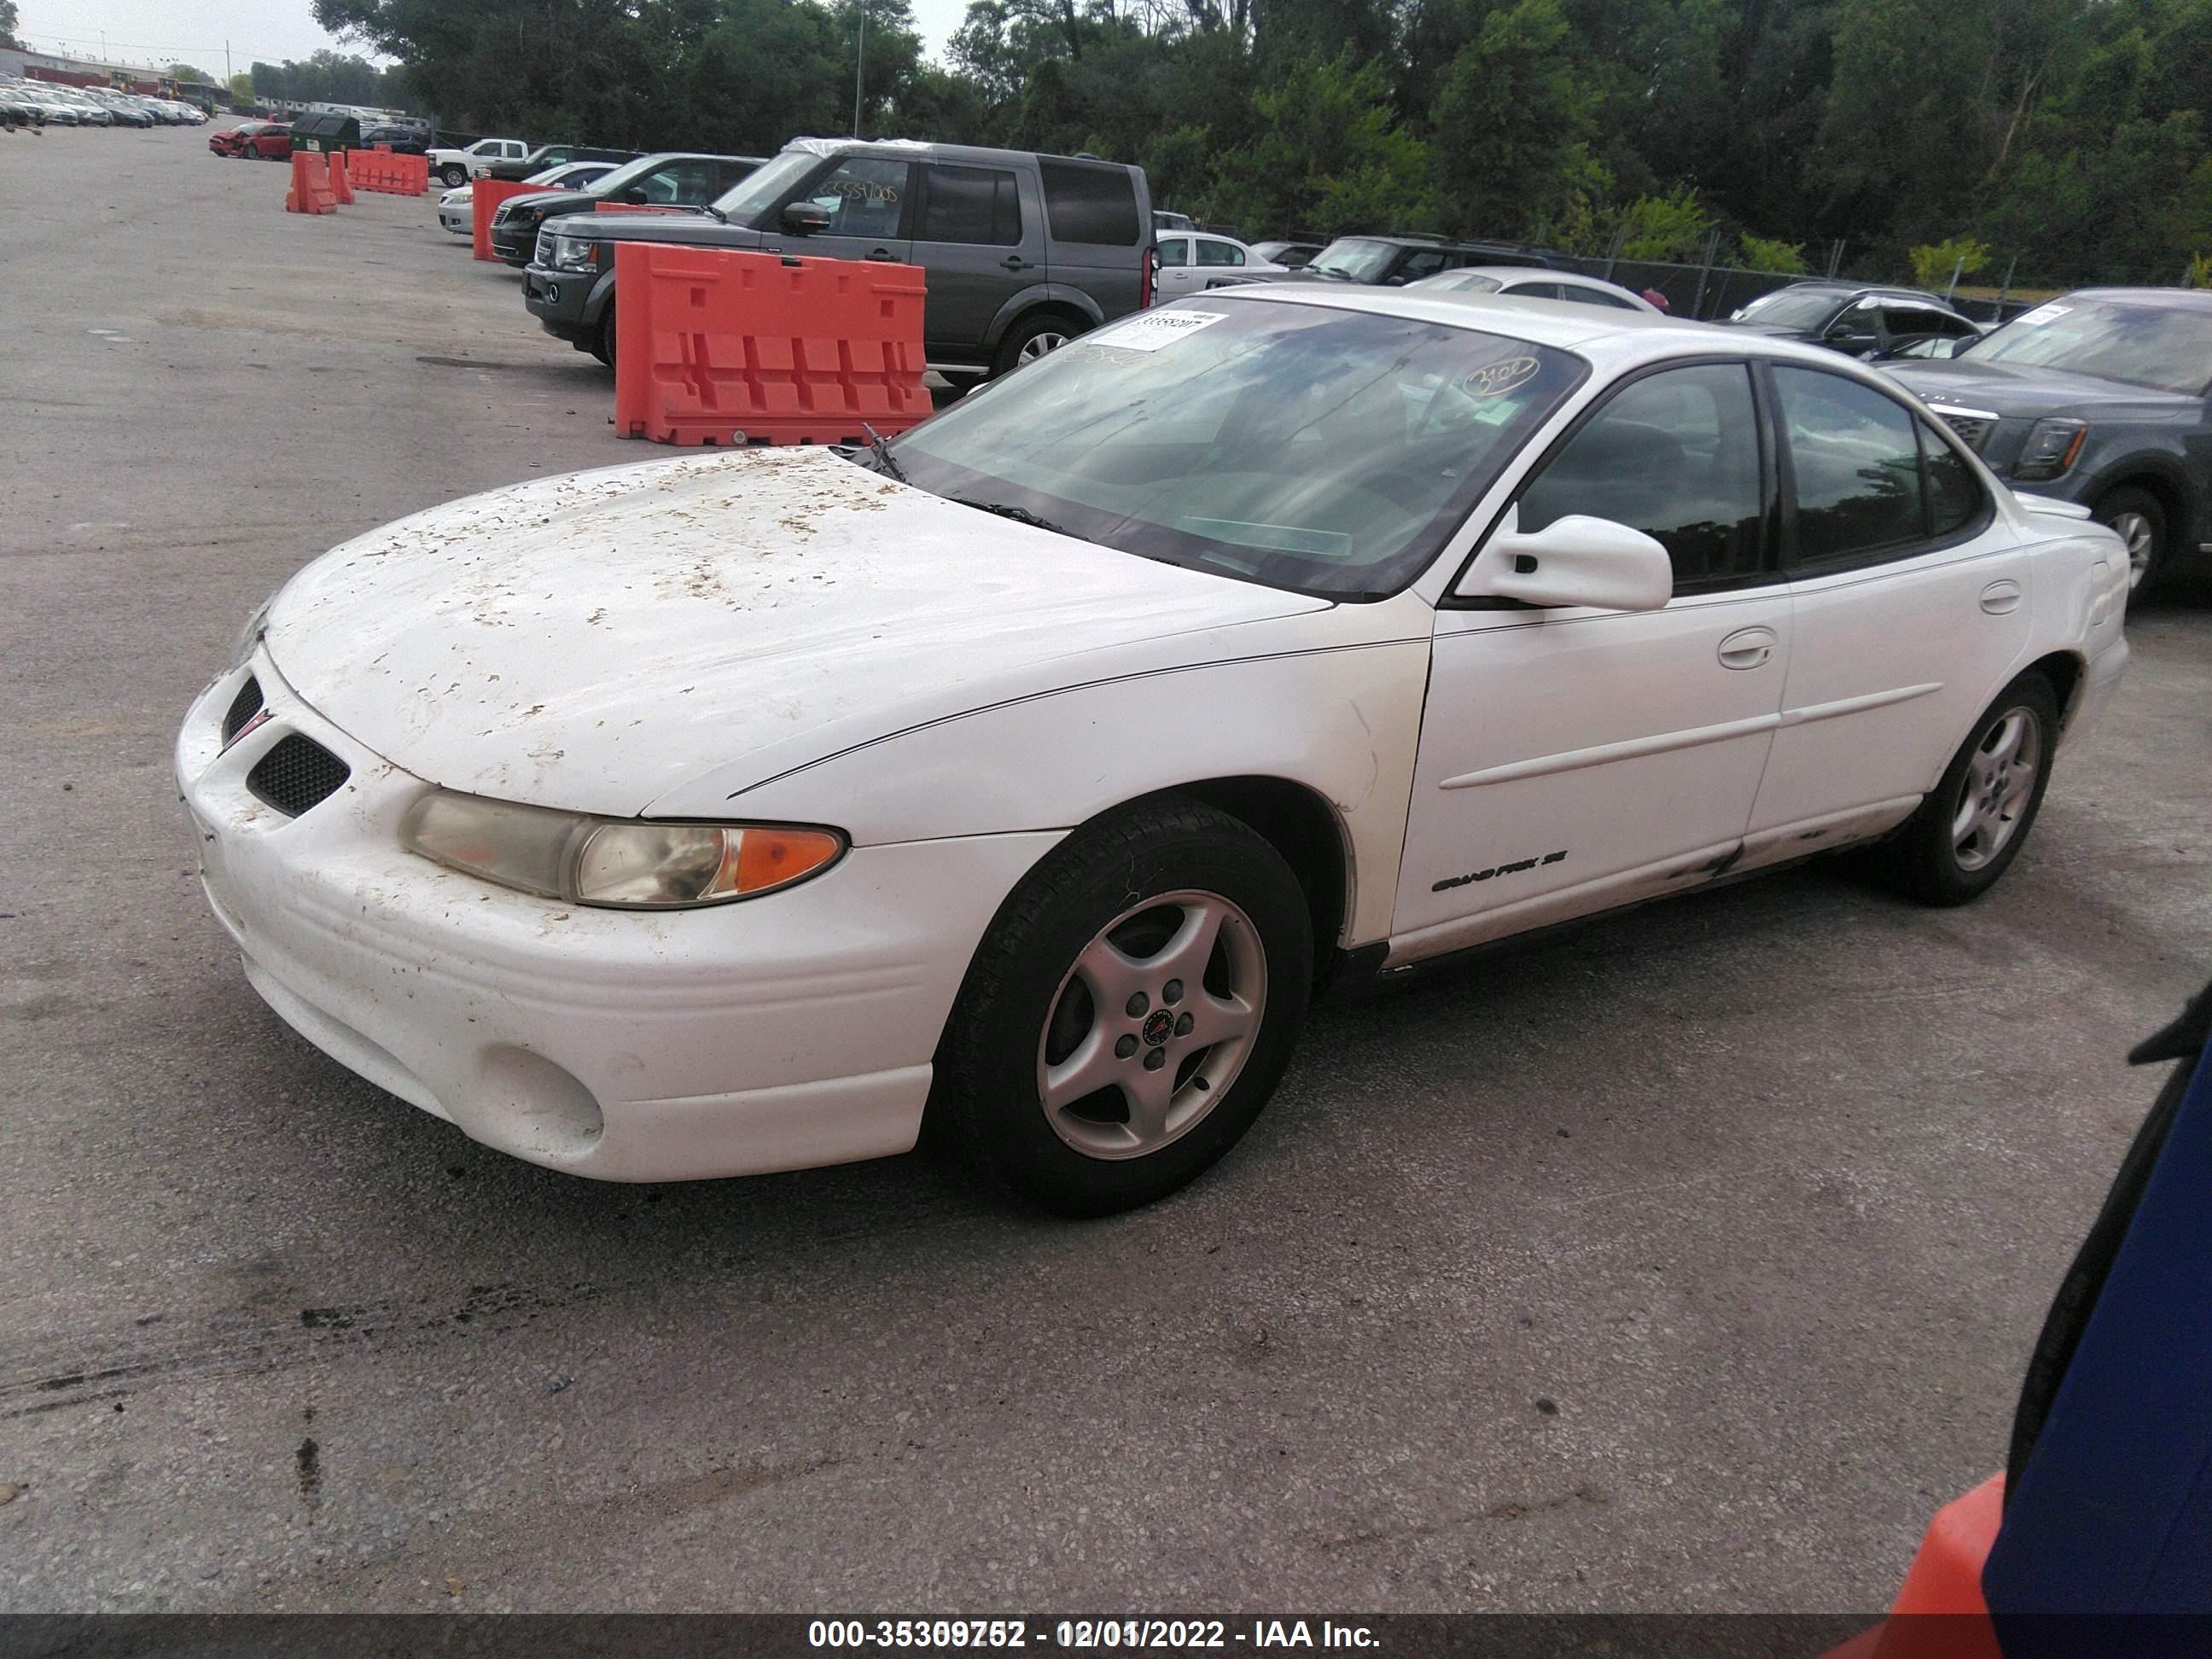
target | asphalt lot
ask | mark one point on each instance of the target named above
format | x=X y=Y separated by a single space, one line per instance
x=1688 y=1264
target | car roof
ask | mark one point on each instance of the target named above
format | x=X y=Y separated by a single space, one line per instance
x=1885 y=290
x=2187 y=299
x=1608 y=337
x=927 y=151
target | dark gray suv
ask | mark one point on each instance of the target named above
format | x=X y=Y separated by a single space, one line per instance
x=2102 y=397
x=1023 y=250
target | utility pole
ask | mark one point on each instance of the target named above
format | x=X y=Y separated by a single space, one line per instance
x=226 y=64
x=860 y=62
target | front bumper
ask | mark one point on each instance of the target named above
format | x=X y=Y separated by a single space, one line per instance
x=779 y=1033
x=458 y=220
x=558 y=298
x=514 y=243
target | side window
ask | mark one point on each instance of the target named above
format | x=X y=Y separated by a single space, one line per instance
x=727 y=174
x=1536 y=291
x=866 y=196
x=1958 y=328
x=1857 y=458
x=1954 y=498
x=971 y=204
x=1423 y=262
x=1675 y=455
x=1219 y=253
x=1592 y=296
x=1176 y=251
x=1089 y=202
x=680 y=184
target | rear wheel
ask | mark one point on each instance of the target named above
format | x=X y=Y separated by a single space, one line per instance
x=1130 y=1010
x=1970 y=827
x=1032 y=337
x=2139 y=518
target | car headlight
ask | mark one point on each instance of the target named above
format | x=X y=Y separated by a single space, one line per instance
x=573 y=253
x=2050 y=448
x=626 y=864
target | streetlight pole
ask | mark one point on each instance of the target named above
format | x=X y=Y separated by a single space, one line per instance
x=860 y=63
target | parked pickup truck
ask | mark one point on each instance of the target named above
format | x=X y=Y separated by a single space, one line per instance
x=458 y=166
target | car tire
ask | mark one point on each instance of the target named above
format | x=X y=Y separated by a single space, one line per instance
x=2138 y=517
x=1144 y=935
x=602 y=344
x=1032 y=336
x=1974 y=824
x=455 y=176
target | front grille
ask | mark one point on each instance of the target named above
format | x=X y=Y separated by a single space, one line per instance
x=243 y=708
x=1972 y=430
x=296 y=775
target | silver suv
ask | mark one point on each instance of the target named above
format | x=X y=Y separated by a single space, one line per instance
x=1023 y=250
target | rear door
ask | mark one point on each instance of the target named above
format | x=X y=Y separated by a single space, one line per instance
x=1911 y=605
x=979 y=246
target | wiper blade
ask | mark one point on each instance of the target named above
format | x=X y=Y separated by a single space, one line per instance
x=882 y=450
x=1008 y=510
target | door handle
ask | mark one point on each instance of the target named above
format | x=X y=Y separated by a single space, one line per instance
x=1747 y=647
x=1014 y=262
x=883 y=253
x=2001 y=596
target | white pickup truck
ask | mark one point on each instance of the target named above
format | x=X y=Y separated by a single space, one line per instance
x=458 y=166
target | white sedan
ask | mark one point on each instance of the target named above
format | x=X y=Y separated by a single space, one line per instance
x=457 y=207
x=1193 y=261
x=724 y=813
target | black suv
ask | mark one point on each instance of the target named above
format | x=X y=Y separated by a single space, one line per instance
x=1023 y=250
x=1407 y=255
x=673 y=179
x=1856 y=318
x=2103 y=396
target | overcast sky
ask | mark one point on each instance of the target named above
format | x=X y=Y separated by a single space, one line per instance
x=162 y=32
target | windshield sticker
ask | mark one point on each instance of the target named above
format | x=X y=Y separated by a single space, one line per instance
x=1496 y=380
x=1148 y=330
x=2043 y=314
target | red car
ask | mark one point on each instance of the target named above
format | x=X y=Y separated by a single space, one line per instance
x=271 y=140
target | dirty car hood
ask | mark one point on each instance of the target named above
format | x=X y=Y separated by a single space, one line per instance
x=594 y=642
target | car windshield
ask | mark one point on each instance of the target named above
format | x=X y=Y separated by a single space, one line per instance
x=2148 y=345
x=1328 y=452
x=1355 y=258
x=1465 y=282
x=607 y=183
x=1792 y=307
x=759 y=190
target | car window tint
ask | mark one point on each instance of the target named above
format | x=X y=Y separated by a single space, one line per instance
x=1176 y=251
x=1090 y=203
x=971 y=204
x=1857 y=459
x=1219 y=253
x=1423 y=262
x=1954 y=496
x=679 y=184
x=1535 y=291
x=1675 y=455
x=865 y=196
x=1595 y=296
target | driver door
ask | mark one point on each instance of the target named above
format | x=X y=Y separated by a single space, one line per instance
x=868 y=199
x=1575 y=759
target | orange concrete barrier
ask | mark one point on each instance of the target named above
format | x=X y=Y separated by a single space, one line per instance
x=1939 y=1613
x=311 y=186
x=717 y=347
x=484 y=197
x=340 y=182
x=413 y=174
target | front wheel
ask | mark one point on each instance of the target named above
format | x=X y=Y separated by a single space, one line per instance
x=1130 y=1010
x=2139 y=519
x=602 y=344
x=455 y=176
x=1970 y=827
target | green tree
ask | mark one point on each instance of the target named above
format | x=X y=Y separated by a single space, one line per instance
x=1509 y=142
x=8 y=20
x=1785 y=259
x=1672 y=227
x=183 y=71
x=1328 y=157
x=242 y=89
x=1932 y=265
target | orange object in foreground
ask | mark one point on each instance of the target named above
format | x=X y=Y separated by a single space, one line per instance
x=1939 y=1613
x=484 y=197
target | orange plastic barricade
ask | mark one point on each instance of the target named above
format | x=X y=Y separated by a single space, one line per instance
x=340 y=182
x=311 y=186
x=717 y=347
x=484 y=197
x=1939 y=1613
x=413 y=174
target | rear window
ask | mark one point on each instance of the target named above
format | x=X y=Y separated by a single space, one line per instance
x=971 y=204
x=1088 y=203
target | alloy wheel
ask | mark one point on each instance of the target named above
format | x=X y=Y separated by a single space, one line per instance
x=1038 y=345
x=1151 y=1026
x=2137 y=530
x=1999 y=785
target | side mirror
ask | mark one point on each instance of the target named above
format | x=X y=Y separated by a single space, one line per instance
x=804 y=218
x=634 y=195
x=1571 y=561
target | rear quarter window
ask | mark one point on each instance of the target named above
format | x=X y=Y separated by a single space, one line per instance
x=1086 y=202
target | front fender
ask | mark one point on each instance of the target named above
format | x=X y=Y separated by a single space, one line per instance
x=1342 y=720
x=2167 y=461
x=1035 y=294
